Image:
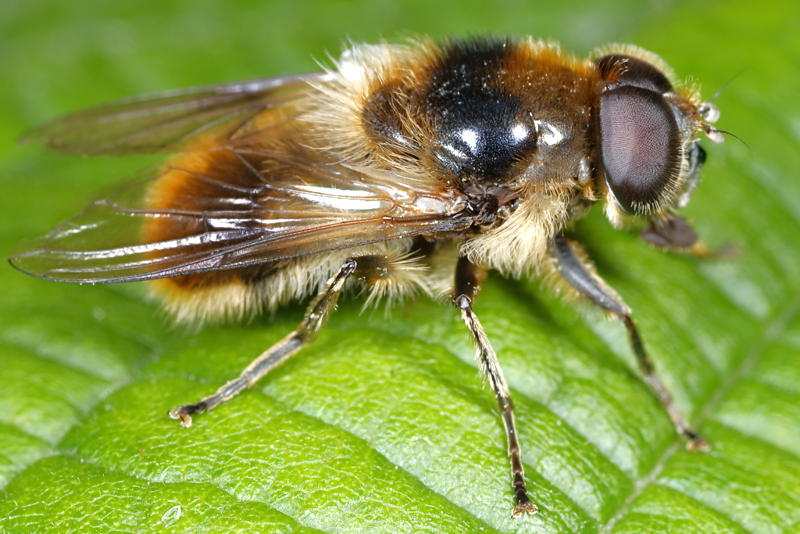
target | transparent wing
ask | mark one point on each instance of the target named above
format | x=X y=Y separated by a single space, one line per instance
x=164 y=122
x=187 y=222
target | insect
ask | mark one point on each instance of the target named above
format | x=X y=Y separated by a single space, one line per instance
x=404 y=168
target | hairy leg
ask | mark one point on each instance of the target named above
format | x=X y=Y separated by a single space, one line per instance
x=467 y=284
x=579 y=273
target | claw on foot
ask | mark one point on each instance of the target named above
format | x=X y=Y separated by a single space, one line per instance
x=524 y=507
x=180 y=413
x=698 y=444
x=184 y=413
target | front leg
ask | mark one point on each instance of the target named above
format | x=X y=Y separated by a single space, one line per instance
x=467 y=285
x=674 y=233
x=578 y=272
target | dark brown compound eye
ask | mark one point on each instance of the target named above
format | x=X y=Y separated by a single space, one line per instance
x=639 y=146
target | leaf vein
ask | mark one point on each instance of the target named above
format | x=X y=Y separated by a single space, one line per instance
x=771 y=331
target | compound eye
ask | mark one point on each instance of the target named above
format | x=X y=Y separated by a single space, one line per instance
x=639 y=145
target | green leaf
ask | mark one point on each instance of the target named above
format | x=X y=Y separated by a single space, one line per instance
x=384 y=425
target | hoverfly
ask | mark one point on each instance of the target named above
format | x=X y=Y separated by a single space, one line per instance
x=404 y=168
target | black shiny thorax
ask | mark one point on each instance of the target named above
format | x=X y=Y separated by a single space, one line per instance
x=492 y=112
x=481 y=129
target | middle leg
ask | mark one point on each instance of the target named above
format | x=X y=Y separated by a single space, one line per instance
x=467 y=284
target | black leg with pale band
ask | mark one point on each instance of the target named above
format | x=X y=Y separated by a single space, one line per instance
x=315 y=318
x=573 y=266
x=467 y=284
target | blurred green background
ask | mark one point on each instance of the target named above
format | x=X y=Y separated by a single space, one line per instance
x=384 y=426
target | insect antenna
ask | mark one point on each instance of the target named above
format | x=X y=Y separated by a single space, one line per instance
x=725 y=85
x=731 y=134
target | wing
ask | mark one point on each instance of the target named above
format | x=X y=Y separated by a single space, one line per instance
x=166 y=121
x=249 y=207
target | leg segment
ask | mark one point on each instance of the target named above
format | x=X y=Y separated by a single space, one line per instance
x=674 y=233
x=579 y=273
x=316 y=316
x=466 y=287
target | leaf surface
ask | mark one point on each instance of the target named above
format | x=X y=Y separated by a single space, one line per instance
x=385 y=425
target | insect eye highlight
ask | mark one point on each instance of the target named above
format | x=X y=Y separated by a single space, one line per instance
x=639 y=146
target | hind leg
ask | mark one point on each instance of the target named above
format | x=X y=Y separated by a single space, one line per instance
x=315 y=318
